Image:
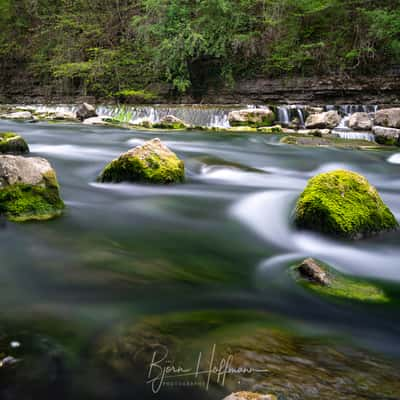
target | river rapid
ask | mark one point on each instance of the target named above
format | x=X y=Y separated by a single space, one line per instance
x=220 y=241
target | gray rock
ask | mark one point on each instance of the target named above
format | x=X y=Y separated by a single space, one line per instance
x=389 y=118
x=16 y=169
x=325 y=120
x=99 y=121
x=252 y=116
x=360 y=122
x=85 y=111
x=388 y=136
x=310 y=270
x=29 y=189
x=18 y=115
x=170 y=122
x=250 y=396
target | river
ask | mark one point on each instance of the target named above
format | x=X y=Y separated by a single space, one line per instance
x=221 y=241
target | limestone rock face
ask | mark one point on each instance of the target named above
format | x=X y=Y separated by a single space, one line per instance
x=343 y=204
x=389 y=118
x=152 y=162
x=11 y=143
x=325 y=120
x=28 y=189
x=360 y=122
x=85 y=111
x=388 y=136
x=252 y=117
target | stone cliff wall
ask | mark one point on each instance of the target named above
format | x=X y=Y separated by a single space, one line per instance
x=316 y=90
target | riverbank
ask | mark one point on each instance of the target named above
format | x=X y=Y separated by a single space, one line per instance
x=336 y=90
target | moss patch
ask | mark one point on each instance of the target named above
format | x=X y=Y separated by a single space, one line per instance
x=344 y=286
x=316 y=141
x=167 y=125
x=147 y=166
x=343 y=204
x=12 y=143
x=22 y=202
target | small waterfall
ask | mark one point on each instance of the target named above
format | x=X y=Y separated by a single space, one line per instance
x=286 y=114
x=283 y=115
x=352 y=135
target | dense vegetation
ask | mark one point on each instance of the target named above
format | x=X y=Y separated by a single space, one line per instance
x=124 y=48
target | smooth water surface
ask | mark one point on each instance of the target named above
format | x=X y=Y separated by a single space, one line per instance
x=222 y=240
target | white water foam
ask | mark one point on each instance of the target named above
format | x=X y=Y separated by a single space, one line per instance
x=394 y=159
x=268 y=215
x=72 y=152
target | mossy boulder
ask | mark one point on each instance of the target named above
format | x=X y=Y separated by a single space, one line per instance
x=324 y=280
x=344 y=204
x=254 y=117
x=12 y=143
x=153 y=162
x=28 y=189
x=170 y=122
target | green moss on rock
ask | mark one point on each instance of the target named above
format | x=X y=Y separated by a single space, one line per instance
x=343 y=204
x=11 y=143
x=28 y=189
x=343 y=286
x=152 y=162
x=276 y=129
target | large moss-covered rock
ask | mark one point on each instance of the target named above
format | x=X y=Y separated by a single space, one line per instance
x=152 y=162
x=255 y=117
x=28 y=189
x=343 y=203
x=12 y=143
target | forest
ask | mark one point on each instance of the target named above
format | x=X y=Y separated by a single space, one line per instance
x=124 y=49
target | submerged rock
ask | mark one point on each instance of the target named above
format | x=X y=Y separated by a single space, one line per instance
x=327 y=281
x=284 y=361
x=270 y=129
x=85 y=111
x=12 y=143
x=325 y=120
x=152 y=162
x=18 y=115
x=250 y=396
x=98 y=121
x=387 y=136
x=310 y=270
x=360 y=121
x=252 y=117
x=389 y=118
x=344 y=204
x=170 y=122
x=28 y=189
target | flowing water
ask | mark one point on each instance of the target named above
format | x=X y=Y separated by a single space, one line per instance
x=220 y=242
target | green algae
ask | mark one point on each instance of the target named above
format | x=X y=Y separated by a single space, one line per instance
x=285 y=359
x=344 y=287
x=12 y=143
x=342 y=203
x=151 y=168
x=23 y=202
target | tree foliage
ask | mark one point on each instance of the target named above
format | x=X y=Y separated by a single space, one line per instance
x=114 y=46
